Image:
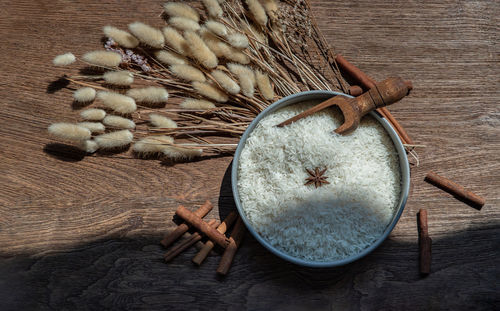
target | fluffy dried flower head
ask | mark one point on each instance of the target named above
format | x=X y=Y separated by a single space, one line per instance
x=213 y=8
x=175 y=40
x=84 y=95
x=181 y=10
x=152 y=144
x=114 y=139
x=150 y=94
x=226 y=82
x=119 y=122
x=191 y=103
x=123 y=38
x=93 y=114
x=200 y=51
x=69 y=131
x=264 y=84
x=89 y=146
x=210 y=91
x=147 y=34
x=216 y=27
x=93 y=127
x=118 y=102
x=271 y=7
x=102 y=58
x=221 y=49
x=160 y=121
x=238 y=40
x=258 y=12
x=188 y=73
x=121 y=77
x=182 y=23
x=64 y=59
x=245 y=76
x=170 y=58
x=175 y=152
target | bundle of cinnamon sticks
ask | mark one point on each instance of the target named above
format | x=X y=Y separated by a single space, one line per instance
x=212 y=230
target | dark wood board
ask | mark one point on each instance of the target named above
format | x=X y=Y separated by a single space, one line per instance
x=82 y=232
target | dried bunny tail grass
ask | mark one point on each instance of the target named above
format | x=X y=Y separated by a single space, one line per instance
x=122 y=37
x=150 y=94
x=238 y=40
x=93 y=114
x=119 y=122
x=69 y=131
x=245 y=76
x=264 y=84
x=175 y=40
x=188 y=73
x=84 y=95
x=175 y=153
x=158 y=120
x=258 y=12
x=122 y=77
x=191 y=103
x=118 y=102
x=64 y=59
x=226 y=82
x=103 y=58
x=93 y=127
x=182 y=23
x=88 y=146
x=152 y=144
x=114 y=139
x=271 y=7
x=210 y=91
x=200 y=51
x=181 y=10
x=239 y=57
x=216 y=27
x=170 y=58
x=221 y=49
x=147 y=34
x=213 y=8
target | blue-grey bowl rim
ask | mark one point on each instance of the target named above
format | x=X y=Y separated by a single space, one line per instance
x=405 y=179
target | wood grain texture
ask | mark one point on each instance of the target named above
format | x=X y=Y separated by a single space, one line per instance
x=83 y=232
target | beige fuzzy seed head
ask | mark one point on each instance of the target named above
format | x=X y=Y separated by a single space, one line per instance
x=102 y=58
x=201 y=104
x=200 y=51
x=150 y=94
x=246 y=77
x=188 y=73
x=258 y=12
x=182 y=23
x=238 y=40
x=213 y=8
x=181 y=10
x=160 y=121
x=93 y=127
x=221 y=49
x=119 y=122
x=121 y=78
x=84 y=95
x=152 y=144
x=217 y=28
x=180 y=153
x=118 y=102
x=226 y=82
x=147 y=34
x=271 y=8
x=114 y=139
x=170 y=58
x=69 y=131
x=264 y=84
x=175 y=40
x=93 y=114
x=210 y=91
x=88 y=146
x=64 y=59
x=122 y=37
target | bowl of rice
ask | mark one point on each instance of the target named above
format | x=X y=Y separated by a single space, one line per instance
x=339 y=222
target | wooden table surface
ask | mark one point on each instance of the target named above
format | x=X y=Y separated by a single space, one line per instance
x=82 y=232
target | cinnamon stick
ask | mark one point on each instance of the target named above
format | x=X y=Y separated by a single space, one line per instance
x=209 y=245
x=195 y=237
x=235 y=241
x=456 y=190
x=184 y=227
x=367 y=83
x=424 y=242
x=202 y=226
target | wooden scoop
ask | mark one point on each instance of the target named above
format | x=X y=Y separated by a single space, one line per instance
x=382 y=94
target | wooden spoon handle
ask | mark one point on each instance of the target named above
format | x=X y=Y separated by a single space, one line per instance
x=382 y=94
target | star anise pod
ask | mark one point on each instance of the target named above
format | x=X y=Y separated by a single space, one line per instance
x=316 y=177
